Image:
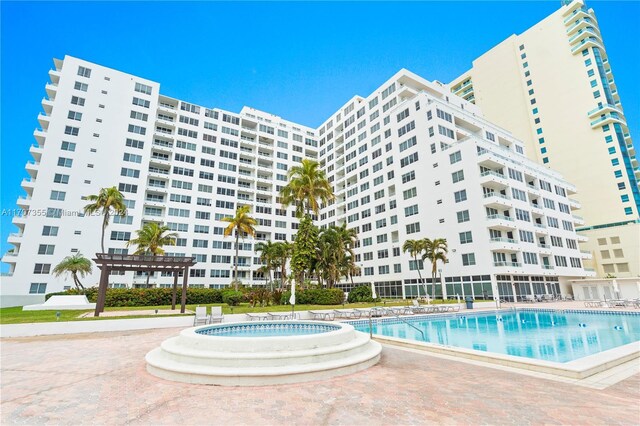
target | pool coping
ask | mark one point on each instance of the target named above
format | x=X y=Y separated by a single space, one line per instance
x=577 y=369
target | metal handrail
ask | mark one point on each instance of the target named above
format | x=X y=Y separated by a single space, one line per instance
x=401 y=319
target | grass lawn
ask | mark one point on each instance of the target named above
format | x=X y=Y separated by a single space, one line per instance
x=16 y=315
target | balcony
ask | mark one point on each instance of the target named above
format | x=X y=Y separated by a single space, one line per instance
x=495 y=199
x=548 y=267
x=508 y=264
x=545 y=248
x=573 y=203
x=51 y=90
x=504 y=244
x=24 y=202
x=32 y=168
x=493 y=179
x=582 y=23
x=590 y=42
x=47 y=105
x=40 y=136
x=160 y=161
x=586 y=254
x=10 y=257
x=578 y=220
x=28 y=184
x=499 y=221
x=611 y=117
x=36 y=152
x=582 y=238
x=602 y=109
x=162 y=147
x=581 y=12
x=15 y=238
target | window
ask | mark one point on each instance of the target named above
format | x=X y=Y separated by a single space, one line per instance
x=84 y=72
x=455 y=157
x=81 y=86
x=463 y=216
x=57 y=195
x=460 y=196
x=73 y=131
x=143 y=88
x=468 y=259
x=465 y=237
x=65 y=162
x=457 y=176
x=38 y=288
x=46 y=249
x=411 y=210
x=50 y=231
x=412 y=228
x=60 y=178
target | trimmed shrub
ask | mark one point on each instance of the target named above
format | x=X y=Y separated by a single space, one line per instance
x=232 y=297
x=120 y=297
x=360 y=294
x=315 y=296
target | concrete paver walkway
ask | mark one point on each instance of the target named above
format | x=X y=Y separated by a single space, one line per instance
x=101 y=379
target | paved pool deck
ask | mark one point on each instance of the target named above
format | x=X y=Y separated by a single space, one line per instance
x=101 y=379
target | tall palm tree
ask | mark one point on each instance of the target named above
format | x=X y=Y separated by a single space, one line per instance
x=108 y=201
x=307 y=185
x=74 y=265
x=281 y=254
x=436 y=250
x=243 y=224
x=415 y=247
x=151 y=238
x=267 y=254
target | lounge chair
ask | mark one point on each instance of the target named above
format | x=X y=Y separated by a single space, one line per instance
x=417 y=308
x=529 y=299
x=257 y=317
x=323 y=315
x=201 y=316
x=282 y=315
x=347 y=313
x=216 y=314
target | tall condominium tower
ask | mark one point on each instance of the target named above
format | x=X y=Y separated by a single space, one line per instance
x=552 y=87
x=407 y=162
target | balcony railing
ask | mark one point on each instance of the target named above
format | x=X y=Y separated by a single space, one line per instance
x=510 y=264
x=503 y=240
x=499 y=217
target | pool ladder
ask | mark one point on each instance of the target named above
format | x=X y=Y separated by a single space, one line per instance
x=401 y=319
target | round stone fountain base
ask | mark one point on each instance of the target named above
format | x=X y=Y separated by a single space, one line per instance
x=214 y=355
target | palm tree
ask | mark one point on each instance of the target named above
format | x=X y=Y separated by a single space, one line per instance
x=281 y=254
x=241 y=223
x=267 y=253
x=151 y=239
x=76 y=264
x=436 y=250
x=307 y=185
x=415 y=247
x=108 y=201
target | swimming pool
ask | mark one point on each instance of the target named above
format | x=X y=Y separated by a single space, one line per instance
x=269 y=329
x=559 y=337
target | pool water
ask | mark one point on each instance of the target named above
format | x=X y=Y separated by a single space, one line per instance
x=266 y=329
x=551 y=336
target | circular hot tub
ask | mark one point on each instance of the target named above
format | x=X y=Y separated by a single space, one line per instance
x=265 y=353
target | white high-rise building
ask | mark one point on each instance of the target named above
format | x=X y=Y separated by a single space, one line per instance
x=553 y=87
x=407 y=162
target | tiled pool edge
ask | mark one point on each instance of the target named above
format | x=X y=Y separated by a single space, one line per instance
x=577 y=369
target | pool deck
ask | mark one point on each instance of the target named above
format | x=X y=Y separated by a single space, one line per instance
x=100 y=378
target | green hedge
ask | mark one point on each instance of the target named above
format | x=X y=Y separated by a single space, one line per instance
x=315 y=296
x=360 y=294
x=117 y=297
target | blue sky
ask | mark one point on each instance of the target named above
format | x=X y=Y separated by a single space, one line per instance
x=301 y=61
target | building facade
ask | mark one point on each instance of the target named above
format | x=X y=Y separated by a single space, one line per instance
x=553 y=88
x=407 y=162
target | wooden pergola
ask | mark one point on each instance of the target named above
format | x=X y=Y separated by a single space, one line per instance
x=108 y=262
